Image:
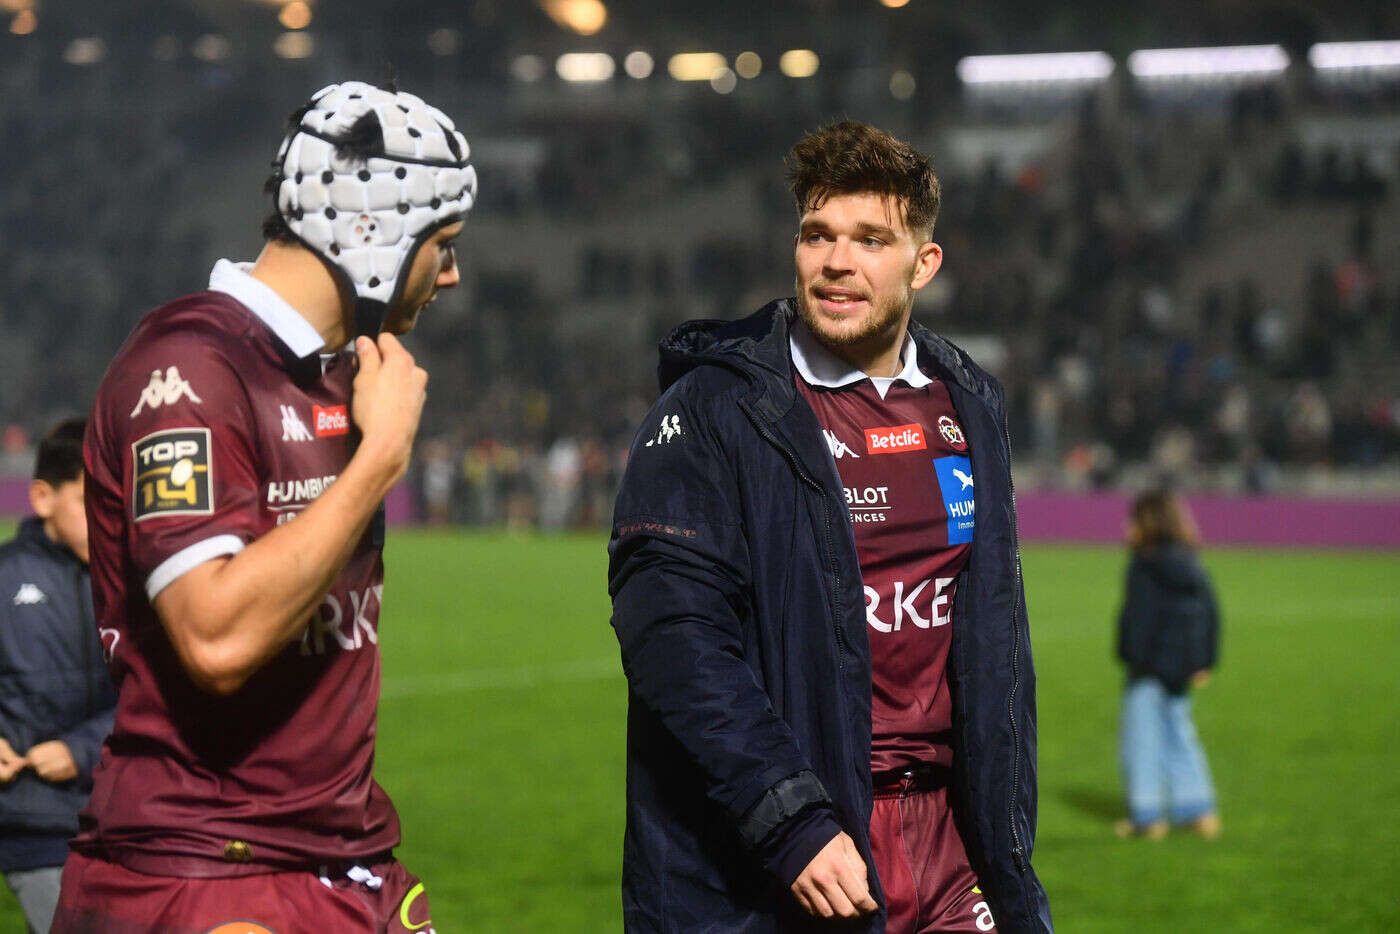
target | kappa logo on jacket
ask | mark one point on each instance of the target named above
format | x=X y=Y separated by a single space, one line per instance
x=164 y=391
x=670 y=430
x=30 y=594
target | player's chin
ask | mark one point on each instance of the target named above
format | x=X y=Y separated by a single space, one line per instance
x=402 y=321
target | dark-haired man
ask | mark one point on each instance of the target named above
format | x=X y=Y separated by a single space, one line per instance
x=237 y=458
x=55 y=695
x=817 y=591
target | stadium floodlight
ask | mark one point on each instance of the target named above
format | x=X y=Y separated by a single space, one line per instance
x=585 y=67
x=798 y=63
x=88 y=50
x=1209 y=64
x=1369 y=56
x=638 y=64
x=294 y=45
x=295 y=15
x=585 y=17
x=1039 y=68
x=527 y=68
x=696 y=66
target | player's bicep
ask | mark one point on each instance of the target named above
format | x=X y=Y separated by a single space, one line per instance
x=189 y=604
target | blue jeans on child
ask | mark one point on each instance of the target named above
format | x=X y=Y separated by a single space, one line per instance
x=1164 y=767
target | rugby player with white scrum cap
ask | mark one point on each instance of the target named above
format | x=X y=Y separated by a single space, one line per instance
x=239 y=449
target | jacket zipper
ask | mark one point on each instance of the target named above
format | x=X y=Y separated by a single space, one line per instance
x=1018 y=850
x=826 y=517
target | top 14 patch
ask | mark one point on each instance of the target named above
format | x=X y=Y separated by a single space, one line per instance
x=172 y=474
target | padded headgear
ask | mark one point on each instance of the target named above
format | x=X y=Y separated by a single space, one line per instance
x=367 y=175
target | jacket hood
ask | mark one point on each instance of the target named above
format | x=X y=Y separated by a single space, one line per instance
x=1173 y=566
x=757 y=345
x=757 y=342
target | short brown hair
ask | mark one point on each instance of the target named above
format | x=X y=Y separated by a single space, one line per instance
x=850 y=157
x=1160 y=517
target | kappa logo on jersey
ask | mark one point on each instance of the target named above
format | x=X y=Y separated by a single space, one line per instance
x=164 y=391
x=30 y=594
x=907 y=603
x=330 y=420
x=895 y=440
x=959 y=496
x=293 y=429
x=670 y=430
x=839 y=448
x=171 y=475
x=952 y=433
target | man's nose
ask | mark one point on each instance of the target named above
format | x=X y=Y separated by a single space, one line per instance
x=838 y=258
x=449 y=277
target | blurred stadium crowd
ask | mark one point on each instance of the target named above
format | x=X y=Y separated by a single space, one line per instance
x=1194 y=279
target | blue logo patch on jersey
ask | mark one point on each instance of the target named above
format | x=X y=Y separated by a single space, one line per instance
x=959 y=496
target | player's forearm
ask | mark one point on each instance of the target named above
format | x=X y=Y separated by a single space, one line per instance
x=229 y=619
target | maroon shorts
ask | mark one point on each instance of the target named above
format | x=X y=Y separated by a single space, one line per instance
x=922 y=864
x=99 y=897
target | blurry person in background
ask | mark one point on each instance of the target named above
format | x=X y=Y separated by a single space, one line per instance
x=1168 y=633
x=240 y=448
x=817 y=591
x=56 y=697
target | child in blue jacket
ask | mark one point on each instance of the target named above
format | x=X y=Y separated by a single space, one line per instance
x=1168 y=632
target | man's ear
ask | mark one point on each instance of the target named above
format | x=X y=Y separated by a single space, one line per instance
x=926 y=262
x=41 y=498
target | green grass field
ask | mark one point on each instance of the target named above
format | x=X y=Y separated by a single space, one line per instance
x=502 y=720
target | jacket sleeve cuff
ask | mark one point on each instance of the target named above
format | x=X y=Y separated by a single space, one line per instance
x=790 y=824
x=798 y=842
x=786 y=798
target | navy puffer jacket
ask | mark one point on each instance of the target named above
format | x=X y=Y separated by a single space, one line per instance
x=738 y=605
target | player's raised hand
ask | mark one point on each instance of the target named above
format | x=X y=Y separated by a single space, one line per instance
x=388 y=400
x=53 y=761
x=11 y=762
x=835 y=883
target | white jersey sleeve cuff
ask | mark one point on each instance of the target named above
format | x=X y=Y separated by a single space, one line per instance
x=188 y=559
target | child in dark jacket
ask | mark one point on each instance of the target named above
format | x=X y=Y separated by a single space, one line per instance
x=1168 y=632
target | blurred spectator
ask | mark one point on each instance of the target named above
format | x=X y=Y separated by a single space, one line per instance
x=1168 y=632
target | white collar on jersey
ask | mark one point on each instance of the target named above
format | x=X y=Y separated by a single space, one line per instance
x=284 y=320
x=821 y=367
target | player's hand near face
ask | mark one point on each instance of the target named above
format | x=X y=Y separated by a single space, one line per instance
x=11 y=762
x=835 y=883
x=53 y=761
x=388 y=401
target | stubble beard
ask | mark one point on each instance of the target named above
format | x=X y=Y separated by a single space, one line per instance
x=882 y=324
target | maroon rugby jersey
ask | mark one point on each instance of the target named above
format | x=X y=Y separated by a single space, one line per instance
x=217 y=421
x=902 y=458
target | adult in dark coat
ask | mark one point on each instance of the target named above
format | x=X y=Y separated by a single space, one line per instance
x=738 y=605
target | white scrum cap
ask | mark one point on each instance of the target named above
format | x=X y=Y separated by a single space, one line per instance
x=367 y=175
